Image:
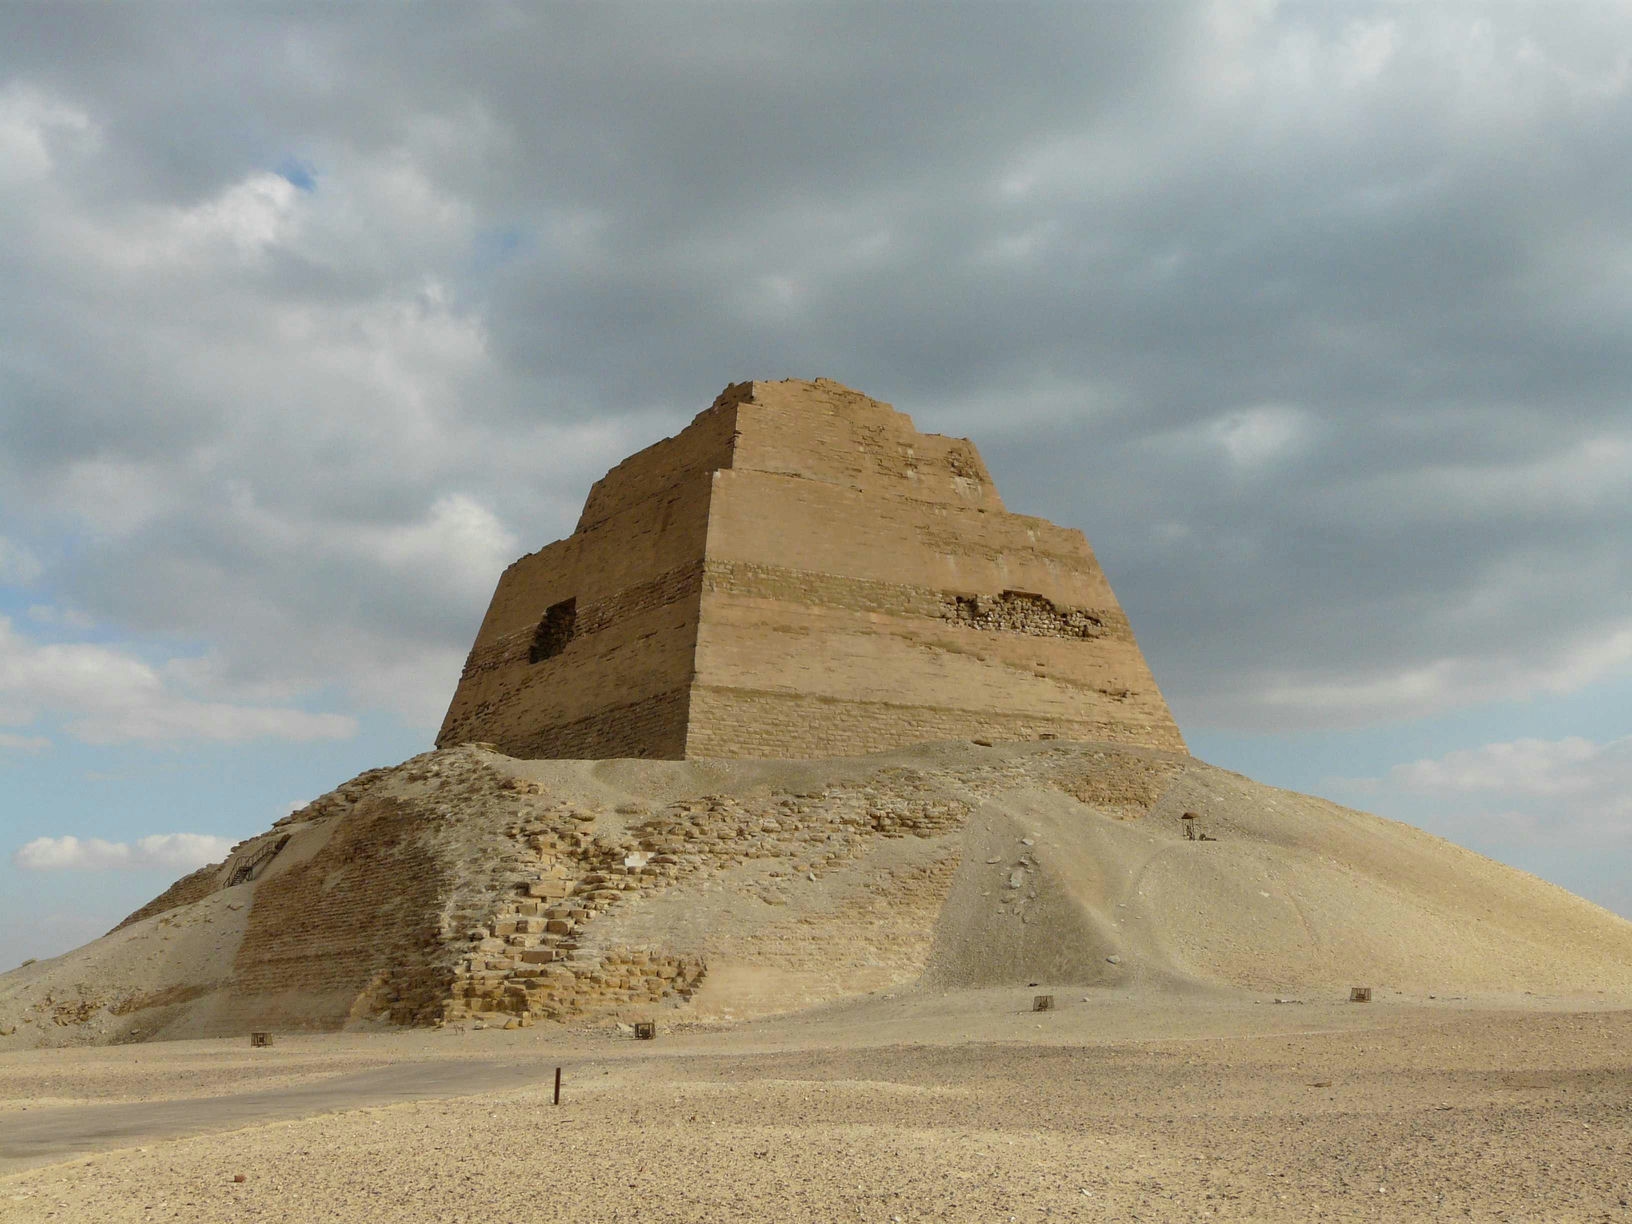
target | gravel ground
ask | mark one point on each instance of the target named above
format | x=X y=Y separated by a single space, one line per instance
x=1152 y=1110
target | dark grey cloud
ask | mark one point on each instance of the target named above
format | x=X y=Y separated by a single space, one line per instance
x=1313 y=317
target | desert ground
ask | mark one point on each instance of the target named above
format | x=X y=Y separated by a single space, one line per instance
x=903 y=1105
x=841 y=958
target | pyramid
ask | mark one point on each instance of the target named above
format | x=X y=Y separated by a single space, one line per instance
x=802 y=581
x=800 y=573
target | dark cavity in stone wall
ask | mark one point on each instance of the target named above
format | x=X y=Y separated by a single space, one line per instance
x=554 y=631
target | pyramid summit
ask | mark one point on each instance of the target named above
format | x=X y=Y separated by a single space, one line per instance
x=801 y=573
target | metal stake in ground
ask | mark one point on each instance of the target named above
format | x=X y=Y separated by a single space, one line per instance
x=557 y=1086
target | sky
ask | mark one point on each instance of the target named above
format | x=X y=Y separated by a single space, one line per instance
x=1316 y=318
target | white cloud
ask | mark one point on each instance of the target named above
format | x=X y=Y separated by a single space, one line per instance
x=243 y=439
x=1564 y=791
x=248 y=216
x=33 y=126
x=1590 y=475
x=1529 y=767
x=1369 y=47
x=106 y=695
x=1437 y=686
x=230 y=231
x=1254 y=436
x=170 y=851
x=458 y=544
x=23 y=743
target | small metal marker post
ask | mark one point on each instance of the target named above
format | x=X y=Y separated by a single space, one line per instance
x=557 y=1086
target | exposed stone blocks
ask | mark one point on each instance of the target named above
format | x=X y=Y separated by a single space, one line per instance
x=786 y=842
x=801 y=573
x=448 y=889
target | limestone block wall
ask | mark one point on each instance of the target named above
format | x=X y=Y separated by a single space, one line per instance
x=887 y=620
x=798 y=573
x=625 y=585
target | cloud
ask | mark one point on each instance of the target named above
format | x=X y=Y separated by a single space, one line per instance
x=1311 y=316
x=1363 y=696
x=458 y=545
x=1531 y=767
x=1251 y=437
x=108 y=696
x=22 y=743
x=169 y=851
x=51 y=614
x=1571 y=790
x=17 y=565
x=33 y=126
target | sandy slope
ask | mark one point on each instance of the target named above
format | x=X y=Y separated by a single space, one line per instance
x=794 y=883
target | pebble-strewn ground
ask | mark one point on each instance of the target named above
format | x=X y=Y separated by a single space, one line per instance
x=959 y=1108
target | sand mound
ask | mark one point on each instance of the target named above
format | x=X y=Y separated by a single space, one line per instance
x=465 y=884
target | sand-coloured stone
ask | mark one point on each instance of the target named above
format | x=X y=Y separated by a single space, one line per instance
x=801 y=573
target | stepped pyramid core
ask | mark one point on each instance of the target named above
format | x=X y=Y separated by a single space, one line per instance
x=801 y=573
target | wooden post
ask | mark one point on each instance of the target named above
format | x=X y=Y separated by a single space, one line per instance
x=558 y=1085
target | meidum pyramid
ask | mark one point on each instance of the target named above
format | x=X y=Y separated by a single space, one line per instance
x=801 y=577
x=801 y=573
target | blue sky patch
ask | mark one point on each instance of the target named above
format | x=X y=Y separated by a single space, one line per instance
x=298 y=172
